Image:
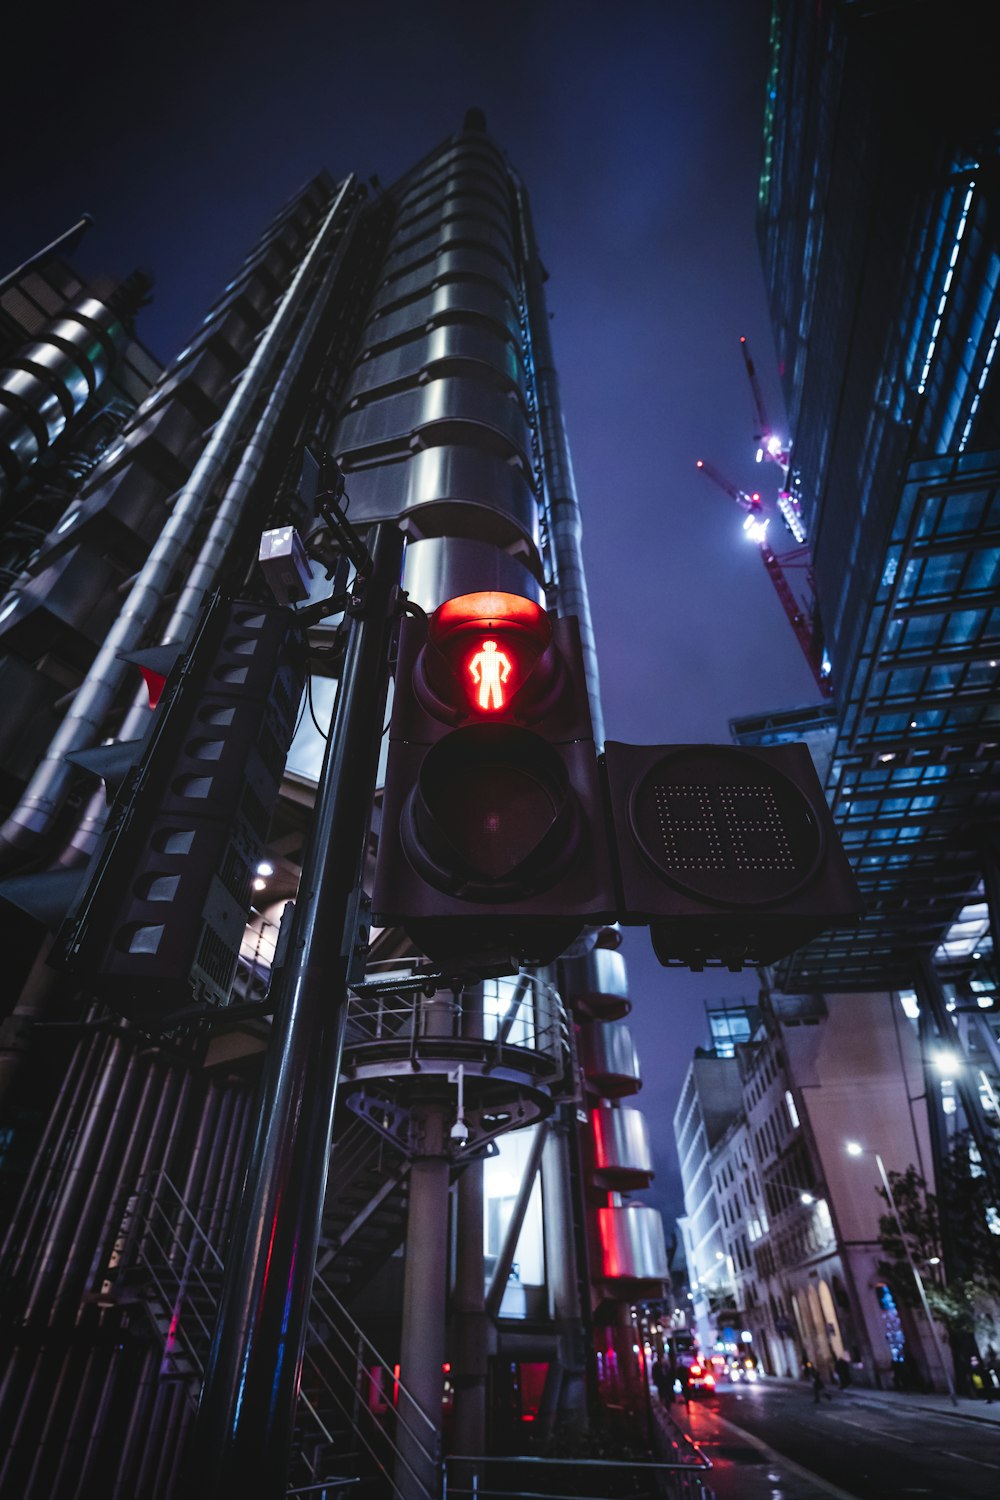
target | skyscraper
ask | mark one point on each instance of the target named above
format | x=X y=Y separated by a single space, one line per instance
x=877 y=226
x=474 y=1227
x=880 y=256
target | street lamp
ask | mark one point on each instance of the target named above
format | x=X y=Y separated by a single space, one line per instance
x=854 y=1148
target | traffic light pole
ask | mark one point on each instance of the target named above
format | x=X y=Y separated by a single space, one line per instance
x=244 y=1429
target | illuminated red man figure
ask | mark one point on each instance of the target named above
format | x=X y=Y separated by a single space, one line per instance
x=490 y=669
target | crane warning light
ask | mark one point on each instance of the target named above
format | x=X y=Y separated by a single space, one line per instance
x=490 y=669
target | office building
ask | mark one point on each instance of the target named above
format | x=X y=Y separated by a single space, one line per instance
x=783 y=1219
x=879 y=244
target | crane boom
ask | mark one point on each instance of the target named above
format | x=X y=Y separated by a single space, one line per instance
x=802 y=621
x=745 y=501
x=769 y=444
x=759 y=409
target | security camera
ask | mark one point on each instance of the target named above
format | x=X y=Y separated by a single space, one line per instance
x=459 y=1133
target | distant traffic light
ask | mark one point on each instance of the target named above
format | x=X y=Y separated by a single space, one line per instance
x=729 y=854
x=492 y=837
x=163 y=908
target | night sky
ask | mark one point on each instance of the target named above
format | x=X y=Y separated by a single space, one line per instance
x=636 y=127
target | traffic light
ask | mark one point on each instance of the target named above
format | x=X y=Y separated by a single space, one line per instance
x=492 y=843
x=730 y=854
x=162 y=912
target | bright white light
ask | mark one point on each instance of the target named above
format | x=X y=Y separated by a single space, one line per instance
x=911 y=1005
x=935 y=1260
x=979 y=391
x=260 y=885
x=885 y=759
x=855 y=1149
x=928 y=357
x=265 y=868
x=773 y=445
x=760 y=455
x=719 y=1255
x=793 y=1113
x=806 y=1198
x=756 y=529
x=947 y=1064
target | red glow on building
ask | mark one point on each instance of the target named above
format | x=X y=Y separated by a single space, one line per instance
x=532 y=1384
x=609 y=1244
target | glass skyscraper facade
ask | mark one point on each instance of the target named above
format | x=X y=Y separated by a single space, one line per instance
x=878 y=226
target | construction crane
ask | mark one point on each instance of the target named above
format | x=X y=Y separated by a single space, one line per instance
x=771 y=446
x=804 y=621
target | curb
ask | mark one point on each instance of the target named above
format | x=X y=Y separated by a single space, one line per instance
x=889 y=1400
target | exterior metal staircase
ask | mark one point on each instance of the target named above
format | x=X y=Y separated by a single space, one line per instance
x=350 y=1420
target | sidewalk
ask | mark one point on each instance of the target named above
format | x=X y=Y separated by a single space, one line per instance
x=971 y=1409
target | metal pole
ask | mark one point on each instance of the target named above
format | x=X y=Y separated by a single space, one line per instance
x=425 y=1293
x=63 y=244
x=244 y=1430
x=917 y=1278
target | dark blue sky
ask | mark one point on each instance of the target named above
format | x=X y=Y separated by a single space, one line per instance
x=636 y=127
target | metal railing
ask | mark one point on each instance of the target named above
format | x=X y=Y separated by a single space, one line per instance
x=530 y=1478
x=342 y=1369
x=505 y=1017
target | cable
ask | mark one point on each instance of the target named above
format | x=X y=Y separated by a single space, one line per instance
x=312 y=711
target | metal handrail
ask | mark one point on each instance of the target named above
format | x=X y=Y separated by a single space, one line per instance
x=188 y=1271
x=581 y=1470
x=358 y=1433
x=521 y=1013
x=341 y=1312
x=321 y=1486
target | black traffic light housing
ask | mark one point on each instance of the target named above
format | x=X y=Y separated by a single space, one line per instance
x=492 y=842
x=729 y=854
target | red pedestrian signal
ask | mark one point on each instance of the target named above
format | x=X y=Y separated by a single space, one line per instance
x=490 y=669
x=493 y=839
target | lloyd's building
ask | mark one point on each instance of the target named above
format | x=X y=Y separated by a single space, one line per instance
x=483 y=1262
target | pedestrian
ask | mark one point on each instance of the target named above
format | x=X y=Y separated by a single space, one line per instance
x=811 y=1373
x=843 y=1370
x=664 y=1387
x=990 y=1383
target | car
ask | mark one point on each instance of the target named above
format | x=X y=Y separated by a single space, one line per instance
x=743 y=1370
x=700 y=1378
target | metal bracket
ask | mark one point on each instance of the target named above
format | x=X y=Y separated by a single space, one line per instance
x=429 y=981
x=376 y=1111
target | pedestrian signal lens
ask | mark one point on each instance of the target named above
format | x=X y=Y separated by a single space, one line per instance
x=487 y=655
x=490 y=668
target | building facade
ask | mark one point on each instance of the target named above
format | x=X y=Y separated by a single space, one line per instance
x=878 y=232
x=786 y=1231
x=484 y=1237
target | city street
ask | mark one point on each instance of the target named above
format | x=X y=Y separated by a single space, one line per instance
x=770 y=1440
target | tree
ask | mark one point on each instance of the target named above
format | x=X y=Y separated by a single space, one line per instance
x=966 y=1297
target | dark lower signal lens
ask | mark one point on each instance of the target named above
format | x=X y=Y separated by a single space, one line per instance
x=492 y=814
